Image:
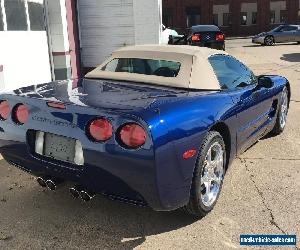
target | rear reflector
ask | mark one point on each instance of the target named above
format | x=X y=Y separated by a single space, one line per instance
x=20 y=114
x=132 y=135
x=100 y=130
x=220 y=37
x=196 y=38
x=56 y=105
x=189 y=154
x=4 y=110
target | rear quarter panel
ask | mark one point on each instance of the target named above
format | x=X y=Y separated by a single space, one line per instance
x=180 y=125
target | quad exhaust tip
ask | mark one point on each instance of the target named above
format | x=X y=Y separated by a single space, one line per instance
x=45 y=182
x=41 y=182
x=74 y=192
x=51 y=185
x=86 y=196
x=78 y=192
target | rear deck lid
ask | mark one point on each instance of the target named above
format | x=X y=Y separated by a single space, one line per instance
x=104 y=94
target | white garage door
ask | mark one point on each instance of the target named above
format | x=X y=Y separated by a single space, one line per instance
x=24 y=50
x=106 y=25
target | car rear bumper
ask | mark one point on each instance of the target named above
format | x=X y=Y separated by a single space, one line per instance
x=118 y=176
x=219 y=45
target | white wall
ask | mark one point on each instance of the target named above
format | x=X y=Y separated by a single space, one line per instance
x=56 y=14
x=25 y=57
x=58 y=28
x=107 y=25
x=147 y=21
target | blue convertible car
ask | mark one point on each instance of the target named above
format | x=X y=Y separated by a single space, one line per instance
x=153 y=125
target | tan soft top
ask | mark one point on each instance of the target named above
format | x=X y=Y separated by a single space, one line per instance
x=195 y=71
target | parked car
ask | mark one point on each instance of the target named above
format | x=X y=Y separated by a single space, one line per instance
x=281 y=34
x=153 y=125
x=166 y=33
x=203 y=36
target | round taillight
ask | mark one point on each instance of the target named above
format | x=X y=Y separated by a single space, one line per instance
x=133 y=135
x=4 y=110
x=100 y=130
x=20 y=114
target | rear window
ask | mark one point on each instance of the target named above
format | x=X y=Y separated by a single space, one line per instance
x=144 y=66
x=205 y=28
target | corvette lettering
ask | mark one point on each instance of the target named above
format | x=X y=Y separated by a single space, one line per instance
x=53 y=122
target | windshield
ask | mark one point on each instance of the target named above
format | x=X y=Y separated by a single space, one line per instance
x=277 y=28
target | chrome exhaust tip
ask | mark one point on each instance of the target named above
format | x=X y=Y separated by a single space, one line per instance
x=51 y=185
x=41 y=182
x=86 y=196
x=74 y=192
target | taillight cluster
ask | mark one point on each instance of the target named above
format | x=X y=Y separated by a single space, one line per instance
x=130 y=135
x=100 y=130
x=4 y=110
x=196 y=38
x=220 y=37
x=19 y=114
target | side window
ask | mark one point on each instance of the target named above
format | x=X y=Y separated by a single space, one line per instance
x=231 y=73
x=288 y=28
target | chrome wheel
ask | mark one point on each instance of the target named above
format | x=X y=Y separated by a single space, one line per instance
x=283 y=109
x=269 y=41
x=212 y=174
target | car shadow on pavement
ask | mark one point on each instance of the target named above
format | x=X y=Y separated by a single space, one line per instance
x=293 y=57
x=57 y=219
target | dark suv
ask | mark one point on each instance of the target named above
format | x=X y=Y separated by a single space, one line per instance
x=201 y=35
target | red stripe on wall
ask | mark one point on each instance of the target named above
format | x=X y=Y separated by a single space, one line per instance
x=73 y=33
x=1 y=68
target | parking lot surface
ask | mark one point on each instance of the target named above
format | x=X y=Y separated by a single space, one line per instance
x=261 y=193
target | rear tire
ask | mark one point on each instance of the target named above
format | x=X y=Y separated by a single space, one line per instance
x=269 y=41
x=282 y=113
x=208 y=176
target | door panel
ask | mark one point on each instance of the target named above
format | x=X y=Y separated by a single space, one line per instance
x=253 y=105
x=253 y=112
x=286 y=34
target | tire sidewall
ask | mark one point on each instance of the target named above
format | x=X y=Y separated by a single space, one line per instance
x=272 y=40
x=210 y=140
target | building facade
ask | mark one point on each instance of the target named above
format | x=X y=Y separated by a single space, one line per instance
x=44 y=40
x=234 y=17
x=38 y=42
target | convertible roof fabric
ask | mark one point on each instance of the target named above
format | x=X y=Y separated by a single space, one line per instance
x=195 y=72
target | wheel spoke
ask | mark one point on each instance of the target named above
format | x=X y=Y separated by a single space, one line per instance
x=204 y=179
x=208 y=157
x=212 y=174
x=207 y=187
x=284 y=109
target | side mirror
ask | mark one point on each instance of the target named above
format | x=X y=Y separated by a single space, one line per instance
x=264 y=82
